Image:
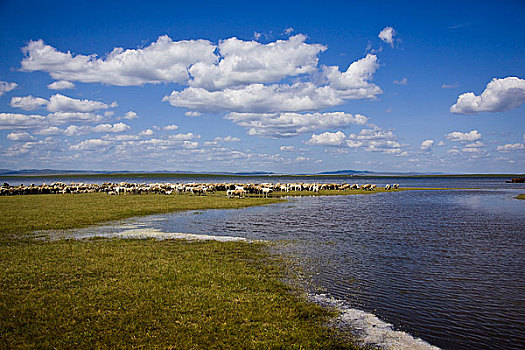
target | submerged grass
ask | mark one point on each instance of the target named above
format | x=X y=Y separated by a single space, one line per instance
x=152 y=294
x=50 y=211
x=21 y=214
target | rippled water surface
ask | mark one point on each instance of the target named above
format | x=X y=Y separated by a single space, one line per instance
x=445 y=266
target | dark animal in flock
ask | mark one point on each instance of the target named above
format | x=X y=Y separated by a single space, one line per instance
x=197 y=189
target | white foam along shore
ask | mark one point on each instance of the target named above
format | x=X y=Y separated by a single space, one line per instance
x=143 y=233
x=369 y=329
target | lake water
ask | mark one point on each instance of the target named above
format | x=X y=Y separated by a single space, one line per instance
x=445 y=266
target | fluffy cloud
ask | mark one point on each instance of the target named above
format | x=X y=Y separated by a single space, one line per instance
x=90 y=145
x=147 y=132
x=277 y=125
x=192 y=114
x=334 y=88
x=227 y=139
x=35 y=149
x=499 y=95
x=61 y=103
x=20 y=121
x=71 y=130
x=328 y=139
x=357 y=77
x=20 y=136
x=231 y=76
x=287 y=148
x=171 y=127
x=183 y=137
x=371 y=140
x=161 y=61
x=28 y=103
x=61 y=85
x=74 y=130
x=71 y=117
x=115 y=128
x=387 y=35
x=130 y=115
x=426 y=145
x=247 y=62
x=474 y=147
x=259 y=98
x=511 y=147
x=473 y=135
x=6 y=87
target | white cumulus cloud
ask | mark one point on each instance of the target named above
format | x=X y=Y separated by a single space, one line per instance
x=6 y=87
x=192 y=114
x=20 y=136
x=511 y=147
x=183 y=137
x=90 y=144
x=164 y=60
x=328 y=139
x=387 y=35
x=227 y=139
x=371 y=140
x=171 y=127
x=20 y=121
x=260 y=98
x=248 y=62
x=426 y=145
x=61 y=103
x=499 y=95
x=473 y=135
x=277 y=125
x=115 y=128
x=61 y=85
x=28 y=103
x=147 y=132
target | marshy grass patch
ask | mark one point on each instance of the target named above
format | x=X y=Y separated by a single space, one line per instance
x=21 y=214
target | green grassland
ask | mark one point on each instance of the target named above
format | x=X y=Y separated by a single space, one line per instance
x=121 y=293
x=521 y=196
x=153 y=294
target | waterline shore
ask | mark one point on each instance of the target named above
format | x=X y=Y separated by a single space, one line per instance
x=65 y=292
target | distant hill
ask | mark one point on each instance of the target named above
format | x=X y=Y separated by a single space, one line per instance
x=345 y=172
x=48 y=172
x=348 y=172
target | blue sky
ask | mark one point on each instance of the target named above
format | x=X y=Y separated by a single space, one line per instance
x=289 y=87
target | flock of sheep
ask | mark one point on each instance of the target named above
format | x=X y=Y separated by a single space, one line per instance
x=231 y=189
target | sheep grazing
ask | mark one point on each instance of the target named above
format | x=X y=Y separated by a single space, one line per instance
x=201 y=189
x=236 y=193
x=266 y=191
